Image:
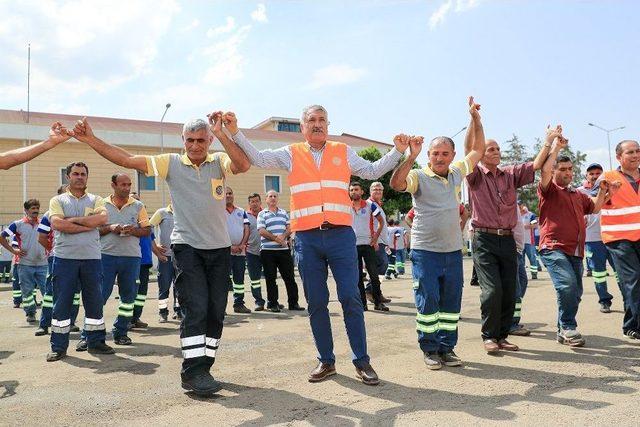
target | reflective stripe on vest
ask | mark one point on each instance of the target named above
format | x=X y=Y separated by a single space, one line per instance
x=620 y=218
x=319 y=195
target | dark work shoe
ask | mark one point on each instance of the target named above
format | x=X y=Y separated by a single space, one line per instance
x=274 y=309
x=82 y=345
x=369 y=296
x=589 y=273
x=241 y=309
x=367 y=375
x=16 y=305
x=605 y=308
x=534 y=276
x=31 y=318
x=381 y=307
x=631 y=334
x=384 y=299
x=520 y=331
x=54 y=356
x=259 y=308
x=41 y=331
x=296 y=307
x=164 y=318
x=449 y=358
x=74 y=328
x=122 y=340
x=139 y=324
x=101 y=348
x=474 y=283
x=177 y=315
x=322 y=371
x=570 y=337
x=202 y=384
x=432 y=360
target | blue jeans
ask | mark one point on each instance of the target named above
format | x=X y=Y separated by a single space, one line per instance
x=437 y=288
x=30 y=278
x=47 y=300
x=17 y=293
x=401 y=256
x=521 y=288
x=531 y=253
x=127 y=270
x=597 y=257
x=626 y=255
x=65 y=276
x=334 y=248
x=566 y=275
x=254 y=268
x=382 y=262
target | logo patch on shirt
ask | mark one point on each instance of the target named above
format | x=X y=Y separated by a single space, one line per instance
x=219 y=190
x=337 y=161
x=239 y=214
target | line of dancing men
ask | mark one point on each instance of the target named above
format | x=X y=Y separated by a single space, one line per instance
x=324 y=215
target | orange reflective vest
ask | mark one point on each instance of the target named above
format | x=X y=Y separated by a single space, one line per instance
x=620 y=217
x=319 y=196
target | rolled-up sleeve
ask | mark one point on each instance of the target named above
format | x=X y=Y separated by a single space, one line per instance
x=372 y=170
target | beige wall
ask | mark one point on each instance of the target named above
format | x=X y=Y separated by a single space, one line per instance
x=43 y=179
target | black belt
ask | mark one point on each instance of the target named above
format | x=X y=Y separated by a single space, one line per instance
x=496 y=231
x=329 y=226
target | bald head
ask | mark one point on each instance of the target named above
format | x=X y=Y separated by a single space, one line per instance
x=627 y=143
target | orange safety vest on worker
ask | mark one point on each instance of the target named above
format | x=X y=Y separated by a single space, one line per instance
x=319 y=196
x=620 y=217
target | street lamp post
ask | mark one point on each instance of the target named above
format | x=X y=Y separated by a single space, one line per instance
x=459 y=132
x=166 y=108
x=608 y=132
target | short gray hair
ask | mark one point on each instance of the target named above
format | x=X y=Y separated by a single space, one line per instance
x=194 y=125
x=376 y=184
x=442 y=140
x=311 y=109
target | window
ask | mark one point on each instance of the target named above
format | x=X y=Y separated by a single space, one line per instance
x=272 y=182
x=288 y=127
x=63 y=176
x=146 y=183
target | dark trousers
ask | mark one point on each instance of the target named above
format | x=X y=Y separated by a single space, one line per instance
x=166 y=277
x=626 y=255
x=5 y=271
x=202 y=278
x=17 y=293
x=272 y=262
x=367 y=256
x=496 y=261
x=143 y=287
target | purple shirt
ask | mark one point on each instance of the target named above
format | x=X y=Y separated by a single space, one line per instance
x=493 y=197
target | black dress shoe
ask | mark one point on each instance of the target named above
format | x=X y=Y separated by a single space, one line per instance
x=202 y=384
x=296 y=307
x=367 y=375
x=322 y=371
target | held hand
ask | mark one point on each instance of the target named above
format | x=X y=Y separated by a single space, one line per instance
x=374 y=244
x=59 y=134
x=230 y=121
x=401 y=141
x=19 y=252
x=115 y=228
x=82 y=131
x=415 y=145
x=215 y=122
x=162 y=248
x=474 y=109
x=613 y=187
x=560 y=143
x=162 y=258
x=553 y=133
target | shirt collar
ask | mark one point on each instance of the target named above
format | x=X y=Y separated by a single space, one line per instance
x=129 y=202
x=170 y=208
x=187 y=161
x=380 y=203
x=486 y=170
x=26 y=220
x=77 y=198
x=430 y=173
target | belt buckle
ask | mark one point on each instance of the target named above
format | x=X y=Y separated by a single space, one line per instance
x=500 y=232
x=323 y=225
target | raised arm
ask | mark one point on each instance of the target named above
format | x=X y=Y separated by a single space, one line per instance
x=476 y=142
x=57 y=135
x=239 y=160
x=558 y=143
x=545 y=150
x=83 y=132
x=399 y=177
x=279 y=158
x=373 y=170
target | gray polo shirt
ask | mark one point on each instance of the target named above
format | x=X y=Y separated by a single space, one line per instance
x=253 y=245
x=163 y=219
x=85 y=245
x=132 y=213
x=436 y=226
x=26 y=234
x=198 y=198
x=384 y=236
x=364 y=221
x=236 y=220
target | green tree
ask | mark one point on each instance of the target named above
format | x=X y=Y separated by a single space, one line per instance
x=394 y=201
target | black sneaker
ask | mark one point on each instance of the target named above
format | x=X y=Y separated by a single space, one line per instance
x=241 y=309
x=74 y=328
x=605 y=308
x=122 y=340
x=54 y=356
x=631 y=334
x=82 y=345
x=432 y=360
x=449 y=358
x=101 y=348
x=41 y=331
x=201 y=384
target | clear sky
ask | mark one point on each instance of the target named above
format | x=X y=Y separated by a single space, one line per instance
x=379 y=67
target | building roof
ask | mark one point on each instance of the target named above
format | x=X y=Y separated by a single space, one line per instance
x=13 y=125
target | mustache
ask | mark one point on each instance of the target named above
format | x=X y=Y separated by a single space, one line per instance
x=317 y=129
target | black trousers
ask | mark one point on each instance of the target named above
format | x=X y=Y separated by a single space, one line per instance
x=143 y=287
x=272 y=262
x=202 y=278
x=496 y=261
x=367 y=254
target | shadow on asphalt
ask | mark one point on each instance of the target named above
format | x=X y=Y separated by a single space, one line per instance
x=9 y=388
x=5 y=355
x=109 y=363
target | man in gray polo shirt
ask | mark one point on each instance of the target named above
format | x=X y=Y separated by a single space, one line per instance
x=200 y=241
x=75 y=216
x=436 y=243
x=120 y=241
